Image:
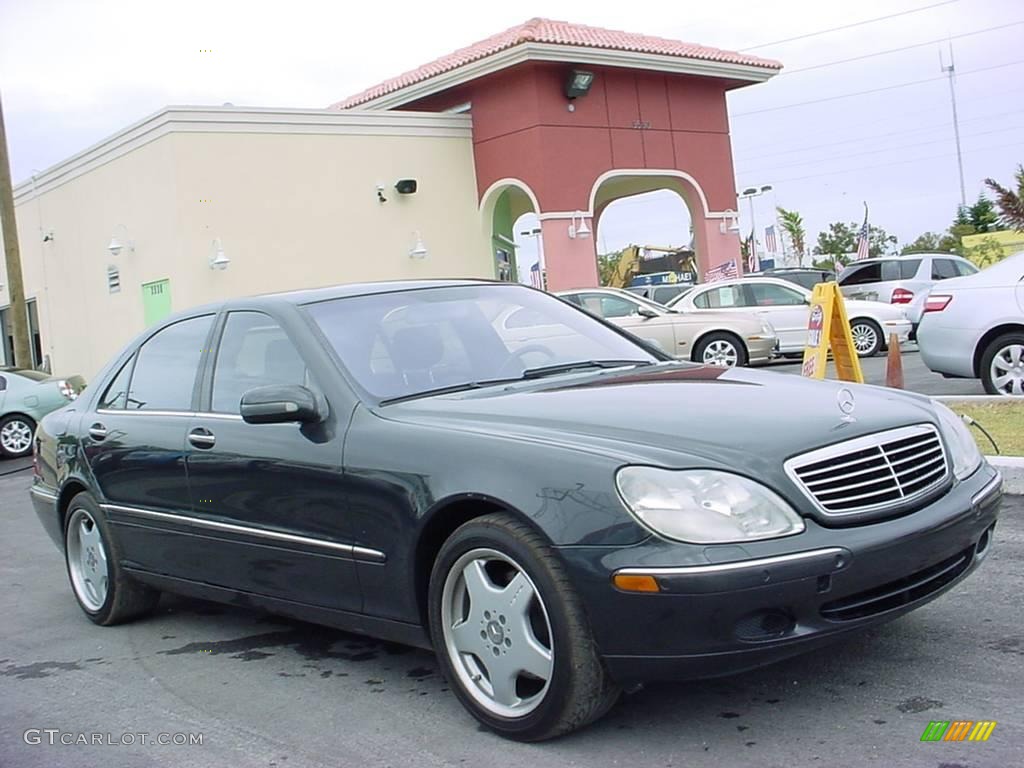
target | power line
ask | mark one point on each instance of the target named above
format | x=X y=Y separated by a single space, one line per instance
x=897 y=50
x=897 y=162
x=848 y=26
x=879 y=151
x=874 y=90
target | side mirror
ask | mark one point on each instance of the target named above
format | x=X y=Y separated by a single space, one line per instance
x=280 y=404
x=646 y=312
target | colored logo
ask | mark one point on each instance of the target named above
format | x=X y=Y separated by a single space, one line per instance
x=958 y=730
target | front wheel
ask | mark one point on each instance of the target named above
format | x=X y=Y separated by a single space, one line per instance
x=867 y=337
x=511 y=634
x=16 y=435
x=1002 y=366
x=721 y=349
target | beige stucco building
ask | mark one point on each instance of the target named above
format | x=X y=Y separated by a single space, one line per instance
x=290 y=196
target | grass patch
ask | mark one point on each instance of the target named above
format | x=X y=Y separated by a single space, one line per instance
x=1004 y=421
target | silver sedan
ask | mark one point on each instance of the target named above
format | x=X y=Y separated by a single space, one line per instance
x=973 y=327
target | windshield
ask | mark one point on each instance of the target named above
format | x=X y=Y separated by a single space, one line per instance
x=676 y=299
x=399 y=344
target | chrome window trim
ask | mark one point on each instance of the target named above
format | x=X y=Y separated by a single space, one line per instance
x=192 y=414
x=873 y=440
x=740 y=565
x=35 y=490
x=350 y=551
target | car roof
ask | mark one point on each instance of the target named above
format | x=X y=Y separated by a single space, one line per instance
x=348 y=290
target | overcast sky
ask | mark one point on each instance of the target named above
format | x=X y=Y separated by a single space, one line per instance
x=73 y=73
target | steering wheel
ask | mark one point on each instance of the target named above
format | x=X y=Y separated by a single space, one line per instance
x=516 y=357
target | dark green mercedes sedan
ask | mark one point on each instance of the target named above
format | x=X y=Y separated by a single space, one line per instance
x=556 y=508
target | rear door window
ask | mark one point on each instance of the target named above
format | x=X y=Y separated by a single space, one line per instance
x=166 y=366
x=965 y=268
x=771 y=295
x=863 y=273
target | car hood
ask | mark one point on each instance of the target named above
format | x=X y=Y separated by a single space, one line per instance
x=676 y=416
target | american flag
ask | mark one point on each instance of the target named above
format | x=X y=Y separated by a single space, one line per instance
x=726 y=271
x=862 y=239
x=535 y=277
x=771 y=242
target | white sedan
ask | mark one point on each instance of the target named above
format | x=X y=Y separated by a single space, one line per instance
x=785 y=306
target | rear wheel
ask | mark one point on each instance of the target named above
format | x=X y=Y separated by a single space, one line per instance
x=16 y=435
x=867 y=337
x=103 y=590
x=721 y=349
x=511 y=634
x=1002 y=365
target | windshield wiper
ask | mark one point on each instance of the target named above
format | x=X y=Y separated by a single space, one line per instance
x=465 y=386
x=554 y=370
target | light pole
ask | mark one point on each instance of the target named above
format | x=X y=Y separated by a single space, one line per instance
x=749 y=194
x=951 y=71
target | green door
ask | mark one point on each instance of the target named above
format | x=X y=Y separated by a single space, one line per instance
x=156 y=301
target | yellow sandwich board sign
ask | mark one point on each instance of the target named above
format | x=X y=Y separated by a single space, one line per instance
x=829 y=328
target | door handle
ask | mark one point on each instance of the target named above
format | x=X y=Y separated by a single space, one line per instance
x=97 y=431
x=201 y=437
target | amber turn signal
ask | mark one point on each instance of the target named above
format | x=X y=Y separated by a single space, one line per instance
x=629 y=582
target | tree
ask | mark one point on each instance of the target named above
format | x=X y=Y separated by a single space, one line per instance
x=792 y=224
x=841 y=239
x=607 y=265
x=927 y=243
x=982 y=216
x=1010 y=202
x=985 y=253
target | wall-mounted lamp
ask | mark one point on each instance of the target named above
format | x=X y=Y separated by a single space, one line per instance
x=380 y=194
x=118 y=244
x=578 y=83
x=579 y=229
x=730 y=223
x=218 y=259
x=406 y=186
x=419 y=250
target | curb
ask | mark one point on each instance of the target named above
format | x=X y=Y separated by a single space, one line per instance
x=1012 y=470
x=976 y=399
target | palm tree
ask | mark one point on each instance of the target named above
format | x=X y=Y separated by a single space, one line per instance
x=792 y=224
x=1010 y=202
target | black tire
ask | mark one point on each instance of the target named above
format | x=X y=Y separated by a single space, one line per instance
x=578 y=690
x=867 y=326
x=998 y=345
x=721 y=338
x=125 y=599
x=18 y=422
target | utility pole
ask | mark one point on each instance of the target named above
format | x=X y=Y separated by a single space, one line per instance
x=15 y=286
x=950 y=70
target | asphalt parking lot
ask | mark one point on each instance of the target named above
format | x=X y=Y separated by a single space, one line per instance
x=916 y=376
x=265 y=691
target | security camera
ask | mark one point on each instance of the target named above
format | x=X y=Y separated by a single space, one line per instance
x=405 y=186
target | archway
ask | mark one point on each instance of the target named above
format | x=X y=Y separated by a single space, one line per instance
x=503 y=206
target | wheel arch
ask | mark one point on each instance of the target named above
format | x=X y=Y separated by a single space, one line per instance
x=987 y=338
x=736 y=337
x=442 y=520
x=71 y=488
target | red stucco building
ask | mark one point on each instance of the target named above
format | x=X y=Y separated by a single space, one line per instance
x=654 y=117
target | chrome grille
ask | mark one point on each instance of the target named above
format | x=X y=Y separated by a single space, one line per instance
x=872 y=472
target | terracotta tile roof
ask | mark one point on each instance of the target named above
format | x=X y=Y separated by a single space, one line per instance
x=557 y=33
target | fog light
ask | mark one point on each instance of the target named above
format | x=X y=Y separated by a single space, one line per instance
x=765 y=625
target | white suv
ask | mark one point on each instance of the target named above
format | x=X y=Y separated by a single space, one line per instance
x=902 y=280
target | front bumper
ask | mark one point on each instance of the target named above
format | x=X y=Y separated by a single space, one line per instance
x=725 y=614
x=761 y=349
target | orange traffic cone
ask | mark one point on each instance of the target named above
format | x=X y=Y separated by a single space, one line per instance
x=894 y=364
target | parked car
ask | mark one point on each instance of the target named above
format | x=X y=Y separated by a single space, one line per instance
x=973 y=327
x=806 y=277
x=25 y=397
x=661 y=293
x=785 y=304
x=713 y=338
x=556 y=525
x=902 y=280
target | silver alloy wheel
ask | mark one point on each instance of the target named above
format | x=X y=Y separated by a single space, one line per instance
x=865 y=337
x=722 y=353
x=16 y=436
x=1007 y=370
x=87 y=560
x=490 y=633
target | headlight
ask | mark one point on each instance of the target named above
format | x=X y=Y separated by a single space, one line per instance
x=703 y=506
x=959 y=441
